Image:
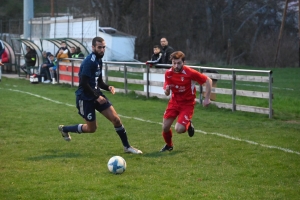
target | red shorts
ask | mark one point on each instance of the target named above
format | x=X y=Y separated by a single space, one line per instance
x=183 y=111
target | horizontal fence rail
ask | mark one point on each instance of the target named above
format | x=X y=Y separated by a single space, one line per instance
x=152 y=79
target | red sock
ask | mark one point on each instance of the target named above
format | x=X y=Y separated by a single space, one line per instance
x=168 y=137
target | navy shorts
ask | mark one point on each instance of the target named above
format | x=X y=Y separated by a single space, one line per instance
x=87 y=108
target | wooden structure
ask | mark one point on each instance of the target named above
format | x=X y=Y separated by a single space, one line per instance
x=68 y=73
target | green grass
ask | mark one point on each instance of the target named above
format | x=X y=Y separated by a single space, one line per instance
x=233 y=155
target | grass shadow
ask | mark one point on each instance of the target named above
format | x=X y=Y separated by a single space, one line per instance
x=156 y=154
x=53 y=154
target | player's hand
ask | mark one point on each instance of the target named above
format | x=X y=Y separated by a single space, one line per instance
x=112 y=89
x=167 y=90
x=101 y=100
x=206 y=102
x=1 y=64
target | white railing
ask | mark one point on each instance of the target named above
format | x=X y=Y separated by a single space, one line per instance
x=153 y=79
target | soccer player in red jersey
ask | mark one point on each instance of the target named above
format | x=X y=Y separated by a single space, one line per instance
x=181 y=81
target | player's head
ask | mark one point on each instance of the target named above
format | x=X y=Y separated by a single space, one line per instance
x=156 y=49
x=98 y=46
x=177 y=59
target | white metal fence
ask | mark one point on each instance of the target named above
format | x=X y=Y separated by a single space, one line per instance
x=153 y=80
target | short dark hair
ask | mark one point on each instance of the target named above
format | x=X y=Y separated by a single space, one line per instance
x=97 y=39
x=156 y=46
x=177 y=55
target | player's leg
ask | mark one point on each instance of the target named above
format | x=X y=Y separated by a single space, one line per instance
x=167 y=134
x=168 y=119
x=86 y=109
x=108 y=111
x=184 y=122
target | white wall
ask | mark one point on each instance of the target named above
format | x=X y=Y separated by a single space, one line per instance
x=119 y=48
x=123 y=48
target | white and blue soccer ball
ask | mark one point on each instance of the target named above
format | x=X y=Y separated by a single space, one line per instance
x=116 y=165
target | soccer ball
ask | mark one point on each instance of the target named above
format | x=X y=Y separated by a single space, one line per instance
x=116 y=165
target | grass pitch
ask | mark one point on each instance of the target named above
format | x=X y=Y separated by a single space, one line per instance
x=233 y=155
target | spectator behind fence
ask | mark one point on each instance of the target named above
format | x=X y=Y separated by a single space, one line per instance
x=53 y=69
x=156 y=57
x=167 y=51
x=78 y=53
x=62 y=54
x=30 y=60
x=44 y=71
x=63 y=46
x=73 y=52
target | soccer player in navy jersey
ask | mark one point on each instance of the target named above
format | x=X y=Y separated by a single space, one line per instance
x=181 y=81
x=90 y=98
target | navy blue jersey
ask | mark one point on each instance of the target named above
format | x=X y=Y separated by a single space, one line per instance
x=92 y=68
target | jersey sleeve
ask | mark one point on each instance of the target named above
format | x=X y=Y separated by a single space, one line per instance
x=88 y=65
x=198 y=77
x=166 y=83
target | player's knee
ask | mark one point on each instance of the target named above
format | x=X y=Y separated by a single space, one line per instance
x=165 y=128
x=116 y=121
x=179 y=128
x=91 y=129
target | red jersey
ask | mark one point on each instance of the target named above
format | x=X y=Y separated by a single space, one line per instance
x=183 y=84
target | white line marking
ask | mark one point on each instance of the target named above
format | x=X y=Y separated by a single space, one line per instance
x=149 y=121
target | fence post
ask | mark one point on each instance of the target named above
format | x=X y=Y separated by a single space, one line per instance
x=201 y=90
x=125 y=79
x=72 y=80
x=270 y=95
x=233 y=90
x=57 y=71
x=106 y=73
x=19 y=65
x=148 y=83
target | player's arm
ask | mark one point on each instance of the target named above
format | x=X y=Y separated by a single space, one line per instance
x=167 y=90
x=84 y=83
x=104 y=86
x=166 y=87
x=203 y=79
x=208 y=86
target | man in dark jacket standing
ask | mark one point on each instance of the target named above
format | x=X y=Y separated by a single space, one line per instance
x=167 y=51
x=30 y=60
